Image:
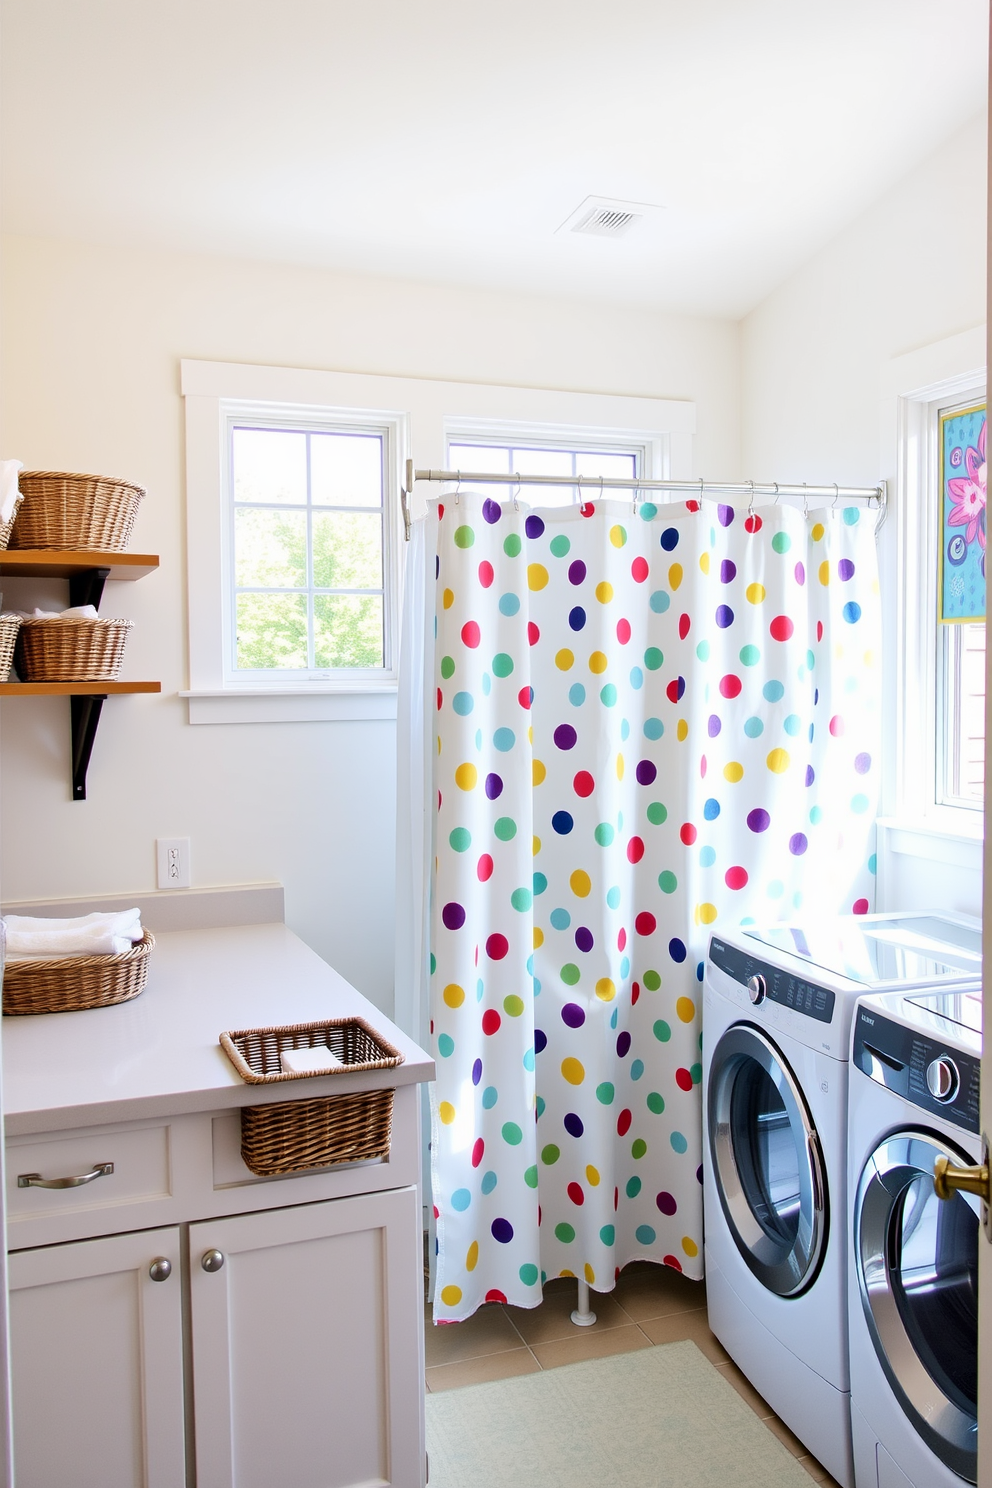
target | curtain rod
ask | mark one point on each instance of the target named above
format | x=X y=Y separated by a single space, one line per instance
x=750 y=489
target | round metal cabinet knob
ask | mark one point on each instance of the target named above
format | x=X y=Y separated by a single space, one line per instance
x=160 y=1269
x=212 y=1260
x=756 y=988
x=943 y=1080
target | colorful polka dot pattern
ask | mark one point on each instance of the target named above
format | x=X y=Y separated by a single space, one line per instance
x=648 y=725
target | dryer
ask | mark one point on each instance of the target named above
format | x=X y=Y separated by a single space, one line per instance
x=778 y=1004
x=913 y=1287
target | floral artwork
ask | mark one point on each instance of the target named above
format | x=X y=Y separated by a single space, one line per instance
x=962 y=538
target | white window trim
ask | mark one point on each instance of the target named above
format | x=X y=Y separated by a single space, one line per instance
x=422 y=412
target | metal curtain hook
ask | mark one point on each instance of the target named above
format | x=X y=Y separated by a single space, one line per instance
x=833 y=503
x=805 y=502
x=600 y=488
x=458 y=485
x=776 y=494
x=516 y=494
x=750 y=504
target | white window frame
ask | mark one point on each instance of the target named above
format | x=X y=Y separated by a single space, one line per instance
x=653 y=452
x=419 y=412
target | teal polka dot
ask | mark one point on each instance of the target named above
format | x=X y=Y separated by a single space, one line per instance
x=505 y=828
x=608 y=1234
x=696 y=1071
x=528 y=1275
x=560 y=545
x=489 y=1182
x=502 y=664
x=657 y=813
x=564 y=1233
x=707 y=857
x=460 y=839
x=659 y=601
x=678 y=1141
x=667 y=882
x=810 y=660
x=489 y=1097
x=773 y=692
x=530 y=1176
x=464 y=537
x=604 y=834
x=463 y=703
x=662 y=1032
x=851 y=516
x=750 y=656
x=539 y=1106
x=776 y=889
x=859 y=804
x=613 y=897
x=433 y=963
x=522 y=899
x=512 y=1134
x=792 y=724
x=624 y=729
x=655 y=1103
x=754 y=728
x=560 y=919
x=504 y=739
x=816 y=815
x=873 y=864
x=645 y=1235
x=653 y=658
x=637 y=1069
x=703 y=651
x=512 y=545
x=608 y=696
x=636 y=678
x=648 y=511
x=528 y=1061
x=653 y=728
x=632 y=1187
x=576 y=694
x=445 y=1045
x=781 y=542
x=509 y=604
x=460 y=1200
x=540 y=884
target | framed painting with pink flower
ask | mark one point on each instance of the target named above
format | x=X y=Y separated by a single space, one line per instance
x=962 y=514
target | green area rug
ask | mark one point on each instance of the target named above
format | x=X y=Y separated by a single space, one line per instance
x=660 y=1417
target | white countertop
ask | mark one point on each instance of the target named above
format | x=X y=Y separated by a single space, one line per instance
x=160 y=1054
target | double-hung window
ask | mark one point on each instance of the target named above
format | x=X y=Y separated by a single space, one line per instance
x=544 y=453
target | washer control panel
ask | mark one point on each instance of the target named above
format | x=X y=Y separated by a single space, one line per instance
x=765 y=982
x=918 y=1067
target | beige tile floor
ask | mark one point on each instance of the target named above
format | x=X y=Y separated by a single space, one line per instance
x=651 y=1304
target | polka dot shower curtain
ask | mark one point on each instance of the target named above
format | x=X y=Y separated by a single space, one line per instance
x=650 y=722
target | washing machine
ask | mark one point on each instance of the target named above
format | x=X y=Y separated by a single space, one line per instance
x=778 y=1005
x=913 y=1288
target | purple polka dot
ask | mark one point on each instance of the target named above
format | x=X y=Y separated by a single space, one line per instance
x=494 y=787
x=576 y=571
x=623 y=1044
x=677 y=950
x=491 y=510
x=758 y=820
x=724 y=616
x=862 y=763
x=728 y=571
x=800 y=574
x=572 y=1015
x=725 y=515
x=477 y=1072
x=584 y=939
x=565 y=736
x=798 y=844
x=533 y=526
x=503 y=1230
x=540 y=1040
x=573 y=1124
x=453 y=916
x=845 y=570
x=666 y=1203
x=699 y=1175
x=646 y=772
x=810 y=774
x=714 y=726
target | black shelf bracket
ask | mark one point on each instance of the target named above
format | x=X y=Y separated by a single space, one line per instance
x=86 y=587
x=85 y=717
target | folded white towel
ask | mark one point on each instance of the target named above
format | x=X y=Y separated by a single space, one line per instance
x=74 y=612
x=31 y=937
x=9 y=470
x=308 y=1061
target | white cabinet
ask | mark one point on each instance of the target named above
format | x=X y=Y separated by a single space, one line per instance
x=97 y=1356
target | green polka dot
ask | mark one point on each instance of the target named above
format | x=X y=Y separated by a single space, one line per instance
x=528 y=1275
x=662 y=1032
x=652 y=981
x=522 y=899
x=656 y=1103
x=653 y=658
x=505 y=828
x=570 y=974
x=530 y=1177
x=560 y=546
x=781 y=542
x=512 y=1134
x=608 y=1234
x=502 y=664
x=447 y=667
x=550 y=1154
x=696 y=1071
x=633 y=1187
x=638 y=1148
x=703 y=651
x=750 y=656
x=608 y=696
x=512 y=545
x=460 y=839
x=433 y=963
x=605 y=1093
x=604 y=834
x=513 y=1005
x=667 y=882
x=464 y=537
x=564 y=1233
x=657 y=813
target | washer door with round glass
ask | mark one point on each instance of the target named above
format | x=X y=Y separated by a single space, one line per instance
x=766 y=1161
x=917 y=1259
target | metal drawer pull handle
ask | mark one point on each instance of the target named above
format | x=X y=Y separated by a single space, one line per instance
x=948 y=1178
x=35 y=1180
x=160 y=1269
x=212 y=1260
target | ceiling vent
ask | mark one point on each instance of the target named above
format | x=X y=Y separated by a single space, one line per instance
x=601 y=217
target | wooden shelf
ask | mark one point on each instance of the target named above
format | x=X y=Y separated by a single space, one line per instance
x=75 y=689
x=23 y=563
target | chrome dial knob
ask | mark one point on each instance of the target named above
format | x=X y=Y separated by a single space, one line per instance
x=756 y=988
x=943 y=1080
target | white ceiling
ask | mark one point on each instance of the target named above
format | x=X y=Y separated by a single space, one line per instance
x=448 y=139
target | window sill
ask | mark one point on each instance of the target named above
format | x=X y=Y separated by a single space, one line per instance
x=315 y=703
x=938 y=839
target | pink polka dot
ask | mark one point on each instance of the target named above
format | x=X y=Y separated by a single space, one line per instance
x=497 y=946
x=735 y=878
x=471 y=634
x=751 y=524
x=860 y=906
x=730 y=686
x=484 y=870
x=836 y=725
x=490 y=1021
x=819 y=630
x=684 y=624
x=621 y=939
x=485 y=574
x=623 y=631
x=587 y=509
x=495 y=1295
x=635 y=850
x=688 y=833
x=583 y=784
x=645 y=923
x=702 y=767
x=533 y=634
x=639 y=570
x=477 y=1152
x=525 y=696
x=781 y=628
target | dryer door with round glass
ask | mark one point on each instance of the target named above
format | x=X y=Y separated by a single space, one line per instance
x=917 y=1260
x=766 y=1161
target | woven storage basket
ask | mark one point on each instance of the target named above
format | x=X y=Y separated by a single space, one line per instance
x=293 y=1135
x=64 y=510
x=72 y=983
x=74 y=650
x=7 y=527
x=9 y=626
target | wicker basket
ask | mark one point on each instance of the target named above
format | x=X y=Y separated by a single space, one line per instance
x=74 y=650
x=9 y=626
x=7 y=527
x=64 y=510
x=293 y=1135
x=72 y=983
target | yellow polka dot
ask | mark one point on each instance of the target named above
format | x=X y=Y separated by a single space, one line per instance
x=472 y=1259
x=564 y=659
x=538 y=772
x=754 y=593
x=466 y=777
x=535 y=847
x=537 y=576
x=618 y=536
x=446 y=1111
x=590 y=1274
x=675 y=575
x=448 y=598
x=451 y=1296
x=619 y=766
x=598 y=662
x=705 y=914
x=704 y=562
x=564 y=1272
x=604 y=592
x=686 y=1009
x=572 y=1071
x=530 y=734
x=592 y=1176
x=824 y=573
x=605 y=990
x=538 y=937
x=439 y=744
x=869 y=658
x=733 y=772
x=580 y=883
x=818 y=531
x=778 y=761
x=689 y=1246
x=682 y=730
x=453 y=995
x=875 y=589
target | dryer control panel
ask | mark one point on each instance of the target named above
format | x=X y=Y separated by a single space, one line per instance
x=766 y=981
x=935 y=1076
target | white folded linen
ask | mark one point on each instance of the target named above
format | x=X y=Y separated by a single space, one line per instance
x=74 y=612
x=9 y=470
x=32 y=937
x=308 y=1061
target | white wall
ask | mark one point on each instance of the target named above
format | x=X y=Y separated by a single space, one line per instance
x=909 y=272
x=90 y=381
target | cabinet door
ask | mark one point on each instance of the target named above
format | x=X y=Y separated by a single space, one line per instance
x=307 y=1345
x=97 y=1364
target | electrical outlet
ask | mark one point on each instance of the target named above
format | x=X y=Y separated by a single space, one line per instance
x=173 y=862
